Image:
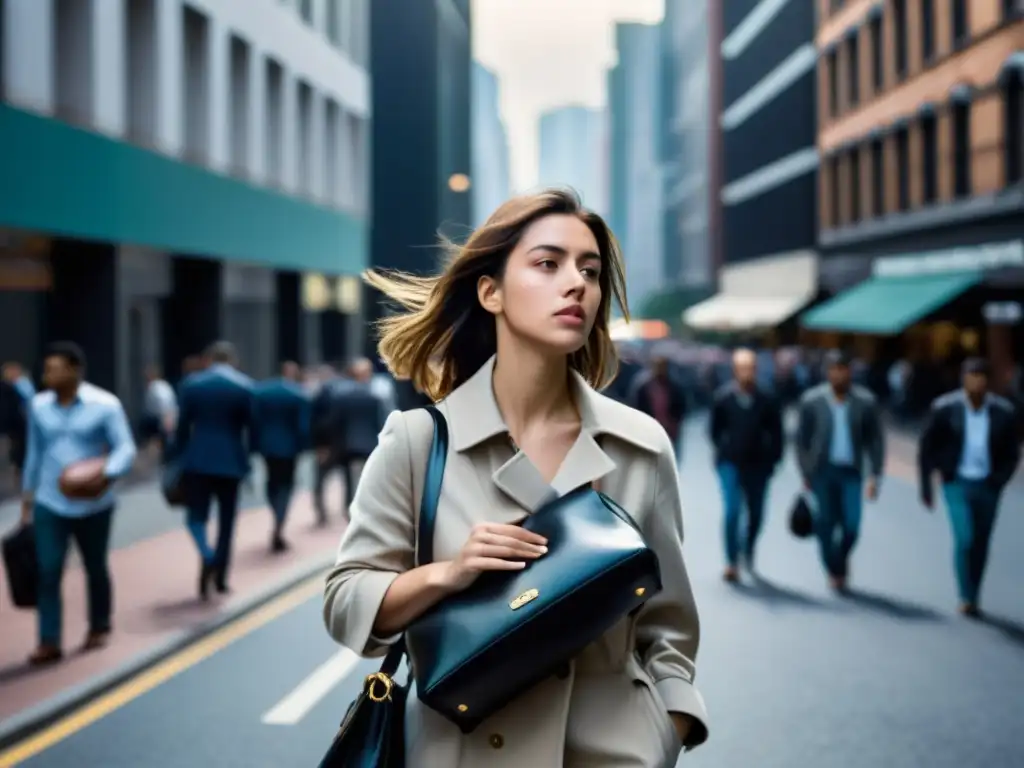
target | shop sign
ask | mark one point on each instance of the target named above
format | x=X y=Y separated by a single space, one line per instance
x=961 y=259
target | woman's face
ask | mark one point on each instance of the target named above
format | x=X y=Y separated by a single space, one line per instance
x=551 y=291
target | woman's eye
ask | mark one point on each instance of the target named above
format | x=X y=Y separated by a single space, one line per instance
x=548 y=264
x=591 y=273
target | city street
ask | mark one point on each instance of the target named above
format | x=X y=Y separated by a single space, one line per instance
x=792 y=675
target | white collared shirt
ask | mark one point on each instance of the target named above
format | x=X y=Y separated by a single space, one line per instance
x=975 y=463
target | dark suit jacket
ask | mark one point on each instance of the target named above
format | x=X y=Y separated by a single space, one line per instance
x=942 y=440
x=746 y=436
x=355 y=418
x=216 y=425
x=282 y=419
x=814 y=432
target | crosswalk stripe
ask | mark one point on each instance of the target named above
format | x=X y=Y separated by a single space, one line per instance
x=293 y=707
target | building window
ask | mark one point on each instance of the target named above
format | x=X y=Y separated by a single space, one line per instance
x=927 y=29
x=833 y=179
x=1013 y=128
x=853 y=69
x=960 y=30
x=274 y=136
x=239 y=121
x=903 y=169
x=305 y=138
x=899 y=16
x=73 y=56
x=877 y=55
x=929 y=159
x=878 y=177
x=195 y=94
x=306 y=11
x=332 y=153
x=334 y=22
x=140 y=62
x=961 y=114
x=854 y=160
x=833 y=83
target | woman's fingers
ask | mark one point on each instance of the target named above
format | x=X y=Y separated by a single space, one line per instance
x=515 y=532
x=494 y=564
x=499 y=540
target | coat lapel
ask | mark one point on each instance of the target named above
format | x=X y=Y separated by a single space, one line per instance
x=474 y=419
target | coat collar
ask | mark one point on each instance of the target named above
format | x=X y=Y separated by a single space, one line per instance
x=474 y=418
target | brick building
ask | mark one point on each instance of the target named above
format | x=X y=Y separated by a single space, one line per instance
x=921 y=224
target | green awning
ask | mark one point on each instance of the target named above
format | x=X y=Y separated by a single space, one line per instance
x=888 y=305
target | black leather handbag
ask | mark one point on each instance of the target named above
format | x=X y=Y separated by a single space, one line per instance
x=372 y=733
x=476 y=651
x=801 y=518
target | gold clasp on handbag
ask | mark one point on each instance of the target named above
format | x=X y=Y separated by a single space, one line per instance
x=523 y=599
x=371 y=687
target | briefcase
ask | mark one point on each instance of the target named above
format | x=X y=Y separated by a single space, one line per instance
x=19 y=552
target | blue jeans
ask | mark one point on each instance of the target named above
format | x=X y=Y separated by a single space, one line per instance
x=202 y=490
x=838 y=492
x=92 y=537
x=972 y=507
x=739 y=485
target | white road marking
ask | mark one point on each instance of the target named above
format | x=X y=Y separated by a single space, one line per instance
x=297 y=704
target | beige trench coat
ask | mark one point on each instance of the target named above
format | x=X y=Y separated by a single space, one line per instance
x=611 y=709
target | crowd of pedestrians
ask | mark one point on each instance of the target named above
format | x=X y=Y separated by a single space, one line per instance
x=202 y=432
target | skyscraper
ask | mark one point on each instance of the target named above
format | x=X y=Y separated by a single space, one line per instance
x=490 y=176
x=572 y=149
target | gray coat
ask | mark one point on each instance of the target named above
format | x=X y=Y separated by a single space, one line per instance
x=814 y=431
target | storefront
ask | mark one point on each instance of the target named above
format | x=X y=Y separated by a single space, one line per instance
x=758 y=296
x=930 y=306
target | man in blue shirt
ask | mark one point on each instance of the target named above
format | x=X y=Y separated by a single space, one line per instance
x=840 y=449
x=282 y=420
x=215 y=435
x=71 y=422
x=970 y=439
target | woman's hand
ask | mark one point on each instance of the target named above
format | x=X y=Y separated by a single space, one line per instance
x=493 y=547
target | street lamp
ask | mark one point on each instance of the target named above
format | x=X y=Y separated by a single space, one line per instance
x=459 y=182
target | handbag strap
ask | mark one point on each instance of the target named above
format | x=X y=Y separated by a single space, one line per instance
x=433 y=479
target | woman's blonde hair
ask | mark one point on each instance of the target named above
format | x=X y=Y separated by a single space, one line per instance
x=444 y=335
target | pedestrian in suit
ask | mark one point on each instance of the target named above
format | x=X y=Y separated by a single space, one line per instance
x=839 y=441
x=970 y=439
x=282 y=427
x=746 y=431
x=216 y=434
x=356 y=417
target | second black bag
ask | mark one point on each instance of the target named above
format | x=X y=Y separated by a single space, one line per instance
x=19 y=552
x=801 y=517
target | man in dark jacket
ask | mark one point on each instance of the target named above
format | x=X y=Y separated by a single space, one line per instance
x=746 y=432
x=970 y=439
x=216 y=433
x=656 y=393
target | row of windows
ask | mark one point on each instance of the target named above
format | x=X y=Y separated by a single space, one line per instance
x=876 y=54
x=238 y=110
x=973 y=146
x=344 y=23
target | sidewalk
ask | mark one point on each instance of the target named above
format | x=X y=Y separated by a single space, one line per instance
x=156 y=607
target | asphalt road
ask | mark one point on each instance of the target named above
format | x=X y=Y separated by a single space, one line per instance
x=889 y=677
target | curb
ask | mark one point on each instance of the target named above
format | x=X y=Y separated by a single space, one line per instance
x=37 y=717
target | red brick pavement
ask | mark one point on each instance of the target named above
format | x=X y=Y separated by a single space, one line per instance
x=155 y=599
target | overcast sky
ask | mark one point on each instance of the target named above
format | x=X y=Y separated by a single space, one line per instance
x=548 y=53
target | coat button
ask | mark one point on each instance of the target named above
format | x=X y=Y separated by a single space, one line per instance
x=496 y=740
